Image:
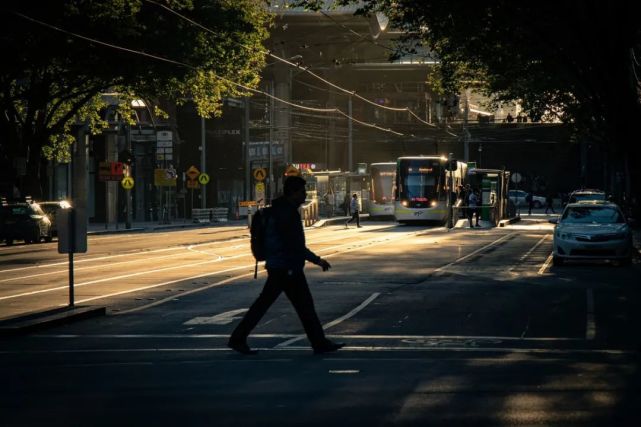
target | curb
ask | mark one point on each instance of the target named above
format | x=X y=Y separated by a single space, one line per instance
x=34 y=321
x=512 y=220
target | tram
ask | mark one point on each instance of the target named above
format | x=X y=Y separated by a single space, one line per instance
x=423 y=186
x=381 y=200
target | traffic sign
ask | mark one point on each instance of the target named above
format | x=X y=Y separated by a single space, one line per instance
x=193 y=172
x=192 y=184
x=203 y=178
x=260 y=174
x=516 y=177
x=127 y=183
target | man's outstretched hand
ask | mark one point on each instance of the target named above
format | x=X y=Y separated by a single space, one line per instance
x=324 y=265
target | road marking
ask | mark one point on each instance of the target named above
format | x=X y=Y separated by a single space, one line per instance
x=528 y=253
x=368 y=349
x=444 y=267
x=546 y=264
x=344 y=371
x=347 y=336
x=336 y=321
x=219 y=319
x=590 y=325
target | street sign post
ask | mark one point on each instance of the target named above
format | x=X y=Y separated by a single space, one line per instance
x=203 y=178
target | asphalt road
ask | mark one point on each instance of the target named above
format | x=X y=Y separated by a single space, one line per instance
x=442 y=328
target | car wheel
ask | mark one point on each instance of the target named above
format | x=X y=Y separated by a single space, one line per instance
x=9 y=242
x=49 y=237
x=537 y=205
x=557 y=261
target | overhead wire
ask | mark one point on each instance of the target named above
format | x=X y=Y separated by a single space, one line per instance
x=305 y=69
x=240 y=85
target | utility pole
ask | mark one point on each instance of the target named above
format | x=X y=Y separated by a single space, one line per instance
x=270 y=187
x=247 y=163
x=128 y=173
x=466 y=132
x=349 y=135
x=203 y=157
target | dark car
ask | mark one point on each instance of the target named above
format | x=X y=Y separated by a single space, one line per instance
x=51 y=209
x=24 y=221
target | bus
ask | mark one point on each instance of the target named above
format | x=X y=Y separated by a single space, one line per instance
x=381 y=200
x=422 y=188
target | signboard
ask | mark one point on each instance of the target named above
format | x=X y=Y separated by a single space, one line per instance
x=247 y=203
x=164 y=139
x=110 y=171
x=72 y=230
x=192 y=184
x=193 y=172
x=259 y=189
x=164 y=177
x=127 y=183
x=260 y=174
x=203 y=179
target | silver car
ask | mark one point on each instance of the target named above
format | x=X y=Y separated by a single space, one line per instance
x=592 y=230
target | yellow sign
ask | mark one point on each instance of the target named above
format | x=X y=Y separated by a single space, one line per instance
x=292 y=171
x=260 y=174
x=127 y=183
x=246 y=203
x=203 y=178
x=260 y=187
x=162 y=178
x=193 y=172
x=192 y=184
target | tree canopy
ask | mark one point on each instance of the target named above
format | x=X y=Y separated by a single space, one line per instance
x=576 y=60
x=61 y=55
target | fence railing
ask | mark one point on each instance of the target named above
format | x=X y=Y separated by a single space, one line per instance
x=210 y=215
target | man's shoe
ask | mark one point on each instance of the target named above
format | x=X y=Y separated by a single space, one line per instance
x=241 y=347
x=330 y=347
x=360 y=226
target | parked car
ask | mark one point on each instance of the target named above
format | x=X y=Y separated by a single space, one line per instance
x=24 y=221
x=587 y=195
x=591 y=230
x=51 y=209
x=518 y=198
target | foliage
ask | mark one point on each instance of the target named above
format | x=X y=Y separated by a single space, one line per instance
x=54 y=79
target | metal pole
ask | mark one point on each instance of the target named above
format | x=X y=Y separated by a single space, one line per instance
x=466 y=132
x=72 y=244
x=128 y=192
x=271 y=137
x=247 y=194
x=349 y=135
x=203 y=154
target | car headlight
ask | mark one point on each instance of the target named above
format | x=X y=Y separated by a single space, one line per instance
x=404 y=203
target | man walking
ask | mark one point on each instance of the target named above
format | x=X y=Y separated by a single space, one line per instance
x=353 y=207
x=285 y=258
x=472 y=207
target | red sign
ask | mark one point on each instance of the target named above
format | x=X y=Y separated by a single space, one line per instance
x=110 y=171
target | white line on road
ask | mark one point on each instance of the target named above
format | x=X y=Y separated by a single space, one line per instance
x=546 y=264
x=528 y=253
x=590 y=325
x=336 y=321
x=489 y=245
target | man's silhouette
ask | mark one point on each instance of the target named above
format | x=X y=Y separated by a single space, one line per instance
x=285 y=258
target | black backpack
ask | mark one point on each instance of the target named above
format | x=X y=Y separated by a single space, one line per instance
x=258 y=231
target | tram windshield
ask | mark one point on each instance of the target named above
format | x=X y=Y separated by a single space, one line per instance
x=382 y=177
x=420 y=179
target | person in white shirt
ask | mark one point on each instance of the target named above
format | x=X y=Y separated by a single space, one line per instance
x=353 y=207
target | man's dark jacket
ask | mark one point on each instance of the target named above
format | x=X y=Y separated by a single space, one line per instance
x=285 y=238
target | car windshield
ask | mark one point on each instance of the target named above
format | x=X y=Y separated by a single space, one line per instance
x=592 y=215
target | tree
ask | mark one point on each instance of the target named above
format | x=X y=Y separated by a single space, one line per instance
x=53 y=76
x=576 y=60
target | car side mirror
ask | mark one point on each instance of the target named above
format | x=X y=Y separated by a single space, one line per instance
x=553 y=220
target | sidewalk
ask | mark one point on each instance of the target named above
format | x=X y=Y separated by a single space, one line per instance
x=98 y=228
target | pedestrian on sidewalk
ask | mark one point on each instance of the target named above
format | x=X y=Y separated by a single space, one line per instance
x=530 y=202
x=549 y=201
x=285 y=256
x=353 y=207
x=472 y=207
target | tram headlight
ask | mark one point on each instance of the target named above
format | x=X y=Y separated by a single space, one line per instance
x=433 y=204
x=404 y=203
